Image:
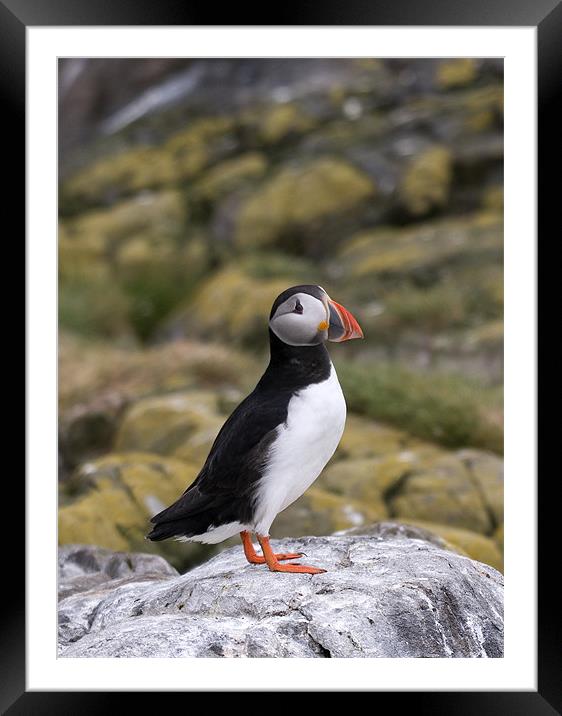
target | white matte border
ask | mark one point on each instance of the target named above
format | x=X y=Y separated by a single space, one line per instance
x=517 y=670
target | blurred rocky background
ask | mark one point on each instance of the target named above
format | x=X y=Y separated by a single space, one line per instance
x=191 y=193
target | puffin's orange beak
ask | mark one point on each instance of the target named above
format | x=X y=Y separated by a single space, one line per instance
x=343 y=325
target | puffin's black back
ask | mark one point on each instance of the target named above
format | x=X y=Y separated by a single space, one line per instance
x=224 y=490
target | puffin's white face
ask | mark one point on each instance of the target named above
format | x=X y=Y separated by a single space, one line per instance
x=308 y=318
x=302 y=320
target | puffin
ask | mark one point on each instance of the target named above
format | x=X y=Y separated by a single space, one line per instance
x=277 y=441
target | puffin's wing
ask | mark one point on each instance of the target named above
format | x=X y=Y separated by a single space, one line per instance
x=237 y=457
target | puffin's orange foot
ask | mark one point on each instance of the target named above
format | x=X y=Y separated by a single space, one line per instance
x=272 y=562
x=254 y=558
x=257 y=559
x=288 y=555
x=297 y=568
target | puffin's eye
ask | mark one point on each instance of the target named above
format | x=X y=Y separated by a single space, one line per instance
x=298 y=307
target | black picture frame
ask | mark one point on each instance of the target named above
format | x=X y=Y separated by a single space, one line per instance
x=546 y=16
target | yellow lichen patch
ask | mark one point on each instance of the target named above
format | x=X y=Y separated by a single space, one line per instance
x=279 y=121
x=118 y=175
x=492 y=199
x=365 y=438
x=426 y=181
x=486 y=470
x=199 y=132
x=82 y=258
x=103 y=518
x=319 y=512
x=161 y=424
x=126 y=468
x=456 y=72
x=198 y=445
x=391 y=260
x=230 y=175
x=359 y=480
x=487 y=335
x=480 y=121
x=443 y=493
x=184 y=155
x=192 y=149
x=117 y=496
x=156 y=214
x=233 y=306
x=151 y=490
x=299 y=196
x=498 y=536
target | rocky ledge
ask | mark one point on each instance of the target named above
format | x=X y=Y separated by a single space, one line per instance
x=391 y=593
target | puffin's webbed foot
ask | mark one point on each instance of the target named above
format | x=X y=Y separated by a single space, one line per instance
x=254 y=558
x=272 y=562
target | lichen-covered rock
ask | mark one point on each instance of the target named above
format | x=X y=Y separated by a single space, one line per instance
x=360 y=480
x=320 y=512
x=140 y=247
x=301 y=198
x=109 y=502
x=96 y=308
x=275 y=123
x=443 y=493
x=365 y=438
x=149 y=213
x=228 y=176
x=162 y=424
x=456 y=72
x=82 y=258
x=487 y=471
x=231 y=305
x=181 y=157
x=498 y=536
x=426 y=182
x=94 y=370
x=101 y=381
x=387 y=595
x=421 y=249
x=86 y=430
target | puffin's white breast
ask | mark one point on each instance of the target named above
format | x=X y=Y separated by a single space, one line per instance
x=304 y=444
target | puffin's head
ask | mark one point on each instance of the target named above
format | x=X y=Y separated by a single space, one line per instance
x=307 y=316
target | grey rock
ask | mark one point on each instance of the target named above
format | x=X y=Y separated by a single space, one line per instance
x=388 y=594
x=88 y=574
x=82 y=567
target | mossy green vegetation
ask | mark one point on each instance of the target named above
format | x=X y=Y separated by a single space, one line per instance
x=299 y=195
x=444 y=408
x=422 y=251
x=94 y=308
